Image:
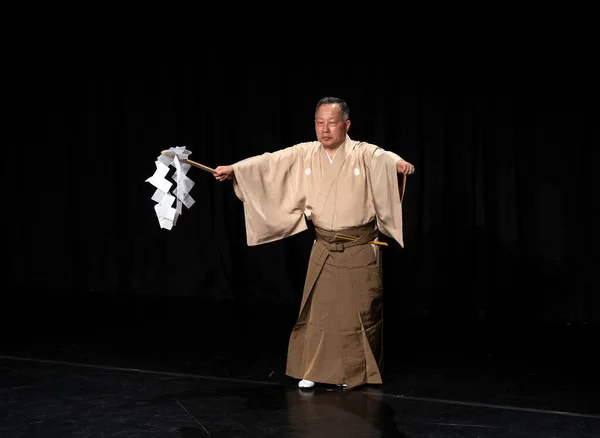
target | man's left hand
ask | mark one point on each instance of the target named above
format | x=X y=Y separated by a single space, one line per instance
x=405 y=167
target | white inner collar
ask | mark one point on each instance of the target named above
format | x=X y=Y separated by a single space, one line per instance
x=330 y=157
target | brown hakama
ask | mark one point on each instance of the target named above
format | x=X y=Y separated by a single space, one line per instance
x=338 y=336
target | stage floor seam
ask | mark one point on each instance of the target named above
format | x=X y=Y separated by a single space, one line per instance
x=261 y=382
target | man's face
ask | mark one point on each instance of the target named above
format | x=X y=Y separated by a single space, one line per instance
x=330 y=126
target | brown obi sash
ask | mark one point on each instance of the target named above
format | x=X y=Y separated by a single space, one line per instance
x=363 y=234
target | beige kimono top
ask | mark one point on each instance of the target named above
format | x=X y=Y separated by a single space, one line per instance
x=278 y=189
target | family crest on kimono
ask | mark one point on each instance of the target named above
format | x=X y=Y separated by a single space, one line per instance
x=345 y=188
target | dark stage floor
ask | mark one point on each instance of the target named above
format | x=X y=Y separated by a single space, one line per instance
x=144 y=368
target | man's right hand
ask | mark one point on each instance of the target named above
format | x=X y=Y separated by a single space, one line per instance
x=223 y=173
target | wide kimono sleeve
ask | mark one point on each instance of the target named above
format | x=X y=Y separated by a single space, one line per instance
x=271 y=188
x=387 y=190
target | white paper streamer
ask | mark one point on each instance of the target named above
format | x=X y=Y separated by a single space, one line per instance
x=165 y=212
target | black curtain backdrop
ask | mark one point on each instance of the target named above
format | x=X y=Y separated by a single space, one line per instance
x=501 y=216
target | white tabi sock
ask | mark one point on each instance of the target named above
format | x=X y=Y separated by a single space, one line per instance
x=306 y=383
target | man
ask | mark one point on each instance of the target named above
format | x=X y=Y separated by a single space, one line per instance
x=350 y=190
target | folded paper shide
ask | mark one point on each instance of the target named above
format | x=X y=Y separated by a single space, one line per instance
x=168 y=192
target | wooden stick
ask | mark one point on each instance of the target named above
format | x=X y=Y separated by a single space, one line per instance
x=344 y=237
x=193 y=163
